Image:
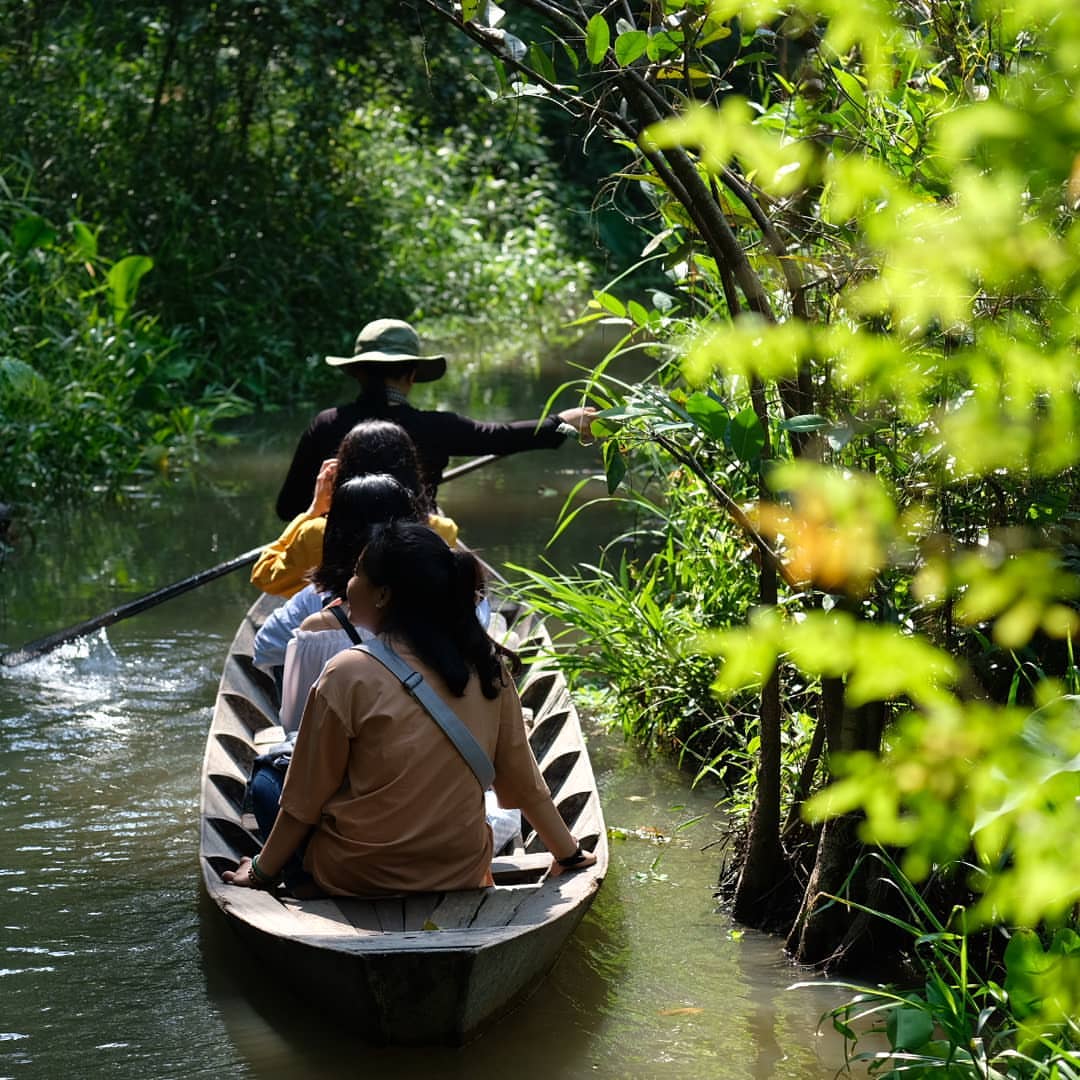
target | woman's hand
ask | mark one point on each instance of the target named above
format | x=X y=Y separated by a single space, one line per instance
x=586 y=858
x=324 y=488
x=241 y=875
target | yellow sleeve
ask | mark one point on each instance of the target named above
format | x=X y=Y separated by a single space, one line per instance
x=445 y=527
x=281 y=567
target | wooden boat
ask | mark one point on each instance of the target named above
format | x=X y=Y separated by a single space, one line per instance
x=423 y=968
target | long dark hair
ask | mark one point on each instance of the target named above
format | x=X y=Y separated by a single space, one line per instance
x=381 y=446
x=432 y=603
x=357 y=506
x=372 y=378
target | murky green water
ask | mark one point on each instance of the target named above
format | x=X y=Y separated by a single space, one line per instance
x=112 y=966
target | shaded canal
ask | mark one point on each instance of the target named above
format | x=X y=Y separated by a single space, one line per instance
x=111 y=964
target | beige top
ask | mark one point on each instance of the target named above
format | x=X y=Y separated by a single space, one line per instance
x=397 y=808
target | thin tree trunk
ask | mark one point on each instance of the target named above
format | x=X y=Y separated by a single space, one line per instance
x=171 y=41
x=759 y=891
x=822 y=924
x=823 y=929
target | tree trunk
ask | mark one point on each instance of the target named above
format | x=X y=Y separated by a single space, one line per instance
x=822 y=924
x=759 y=894
x=823 y=929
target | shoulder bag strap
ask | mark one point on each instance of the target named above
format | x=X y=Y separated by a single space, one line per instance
x=347 y=626
x=455 y=730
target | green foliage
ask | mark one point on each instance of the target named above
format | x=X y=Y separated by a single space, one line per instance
x=978 y=1010
x=87 y=387
x=637 y=613
x=286 y=176
x=868 y=213
x=924 y=178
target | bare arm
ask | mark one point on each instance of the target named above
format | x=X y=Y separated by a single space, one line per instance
x=285 y=837
x=558 y=839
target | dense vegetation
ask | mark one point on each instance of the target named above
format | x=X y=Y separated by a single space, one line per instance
x=198 y=202
x=867 y=381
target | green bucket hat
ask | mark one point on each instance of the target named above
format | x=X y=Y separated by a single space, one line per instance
x=390 y=341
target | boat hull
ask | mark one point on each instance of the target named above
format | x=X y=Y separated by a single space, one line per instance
x=429 y=968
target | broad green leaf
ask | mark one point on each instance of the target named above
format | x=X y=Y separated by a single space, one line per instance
x=470 y=9
x=32 y=231
x=84 y=241
x=747 y=436
x=541 y=62
x=638 y=312
x=614 y=466
x=909 y=1028
x=597 y=39
x=807 y=422
x=123 y=282
x=851 y=86
x=716 y=35
x=709 y=415
x=662 y=45
x=610 y=303
x=629 y=46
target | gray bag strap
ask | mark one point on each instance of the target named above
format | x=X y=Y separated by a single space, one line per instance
x=455 y=730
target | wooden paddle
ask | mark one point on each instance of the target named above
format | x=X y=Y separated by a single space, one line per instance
x=46 y=644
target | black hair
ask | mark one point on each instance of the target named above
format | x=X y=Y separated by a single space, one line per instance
x=358 y=505
x=372 y=378
x=381 y=446
x=432 y=603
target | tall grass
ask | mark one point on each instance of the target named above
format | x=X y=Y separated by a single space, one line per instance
x=631 y=620
x=994 y=1004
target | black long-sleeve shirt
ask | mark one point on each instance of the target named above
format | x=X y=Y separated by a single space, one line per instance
x=438 y=437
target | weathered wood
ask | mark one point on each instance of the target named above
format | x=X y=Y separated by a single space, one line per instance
x=456 y=910
x=398 y=981
x=500 y=905
x=360 y=913
x=391 y=914
x=418 y=909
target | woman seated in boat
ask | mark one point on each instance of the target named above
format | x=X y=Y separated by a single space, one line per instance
x=371 y=447
x=383 y=799
x=357 y=506
x=374 y=446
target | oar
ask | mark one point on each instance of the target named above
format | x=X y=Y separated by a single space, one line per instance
x=46 y=644
x=124 y=611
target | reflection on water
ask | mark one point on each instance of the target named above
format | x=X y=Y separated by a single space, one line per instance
x=111 y=966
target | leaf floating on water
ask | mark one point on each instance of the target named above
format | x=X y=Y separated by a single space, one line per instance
x=635 y=798
x=647 y=832
x=687 y=1010
x=429 y=925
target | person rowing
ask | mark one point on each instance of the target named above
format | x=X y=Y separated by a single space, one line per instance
x=369 y=447
x=387 y=362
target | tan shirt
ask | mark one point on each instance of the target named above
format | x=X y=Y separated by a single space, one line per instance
x=397 y=807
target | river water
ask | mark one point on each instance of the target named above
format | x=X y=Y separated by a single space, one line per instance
x=112 y=965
